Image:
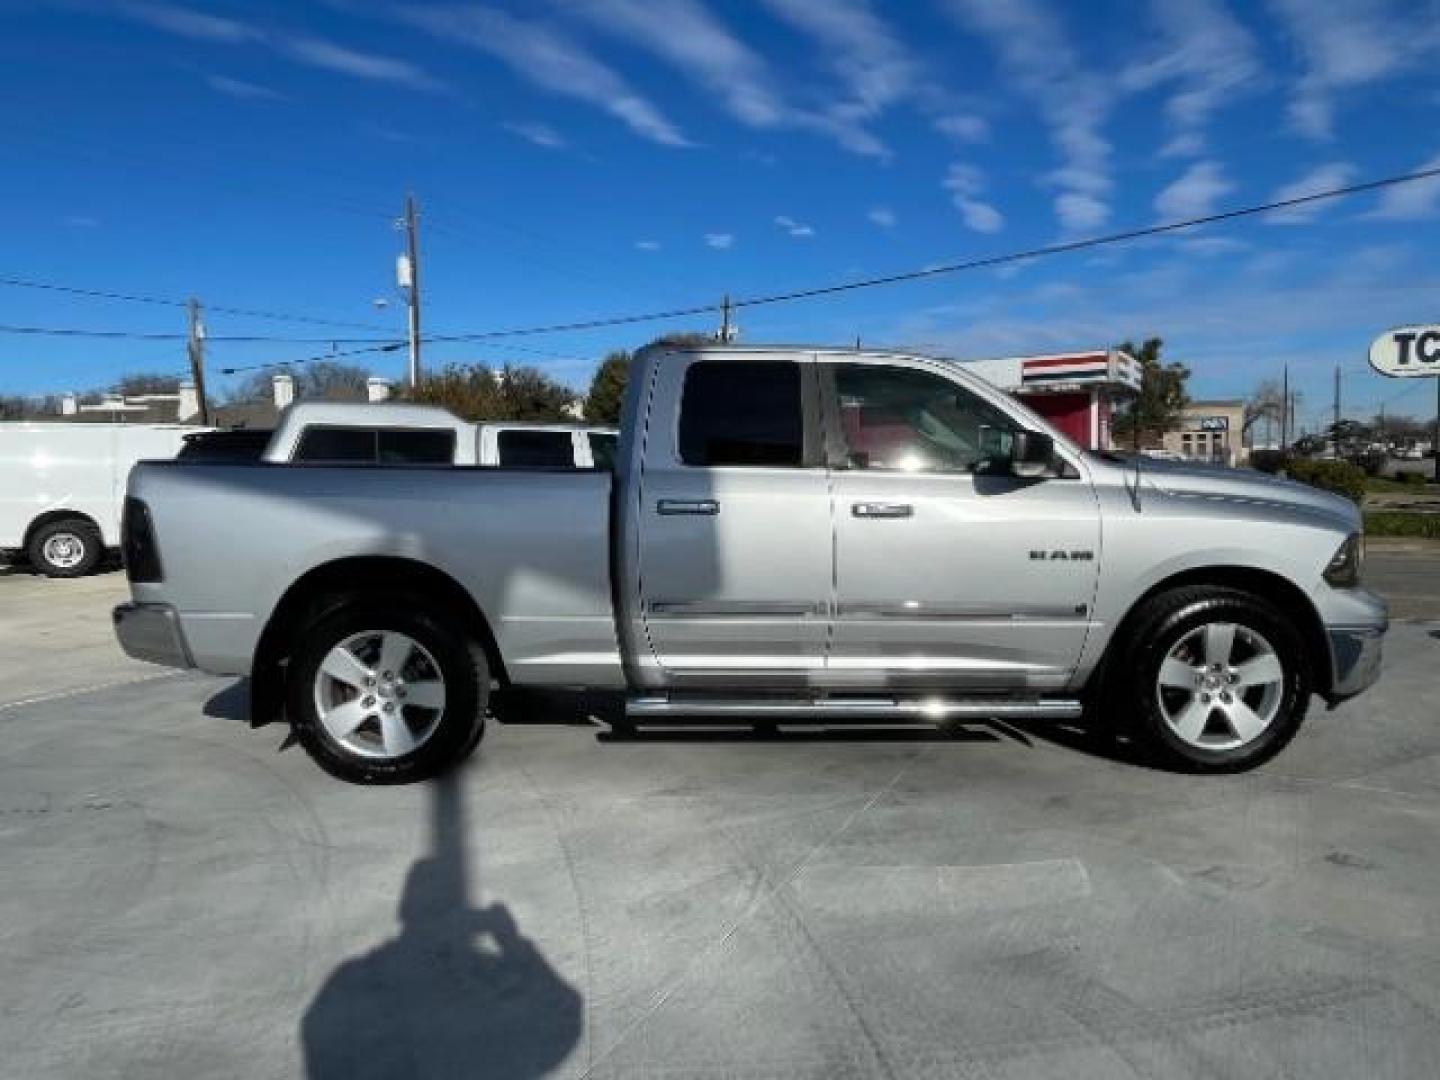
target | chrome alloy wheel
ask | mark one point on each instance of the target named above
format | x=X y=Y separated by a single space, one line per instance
x=380 y=694
x=1221 y=686
x=64 y=550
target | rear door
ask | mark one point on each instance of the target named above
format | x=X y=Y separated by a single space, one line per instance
x=735 y=524
x=949 y=571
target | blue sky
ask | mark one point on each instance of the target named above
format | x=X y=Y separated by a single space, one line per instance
x=577 y=159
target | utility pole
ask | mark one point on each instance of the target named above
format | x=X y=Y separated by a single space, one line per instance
x=195 y=346
x=410 y=281
x=1285 y=410
x=728 y=331
x=1336 y=429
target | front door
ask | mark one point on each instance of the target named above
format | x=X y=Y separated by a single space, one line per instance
x=735 y=537
x=948 y=571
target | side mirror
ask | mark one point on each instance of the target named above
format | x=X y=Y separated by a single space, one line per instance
x=1032 y=454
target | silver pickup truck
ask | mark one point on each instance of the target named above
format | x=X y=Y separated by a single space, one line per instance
x=788 y=535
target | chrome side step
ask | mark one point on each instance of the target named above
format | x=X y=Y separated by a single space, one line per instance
x=656 y=707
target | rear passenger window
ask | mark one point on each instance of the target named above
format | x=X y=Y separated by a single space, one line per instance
x=536 y=449
x=337 y=446
x=417 y=447
x=741 y=413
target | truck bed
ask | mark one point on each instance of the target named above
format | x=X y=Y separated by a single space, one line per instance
x=531 y=547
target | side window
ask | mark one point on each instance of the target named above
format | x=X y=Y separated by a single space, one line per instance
x=602 y=448
x=741 y=413
x=334 y=445
x=916 y=421
x=521 y=449
x=417 y=447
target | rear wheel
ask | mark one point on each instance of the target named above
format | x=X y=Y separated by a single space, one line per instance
x=1213 y=680
x=65 y=548
x=382 y=694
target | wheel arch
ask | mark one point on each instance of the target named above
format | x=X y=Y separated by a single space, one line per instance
x=1278 y=590
x=306 y=598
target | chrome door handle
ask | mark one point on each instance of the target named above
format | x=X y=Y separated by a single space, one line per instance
x=703 y=507
x=882 y=510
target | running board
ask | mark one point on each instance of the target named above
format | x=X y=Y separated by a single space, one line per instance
x=653 y=707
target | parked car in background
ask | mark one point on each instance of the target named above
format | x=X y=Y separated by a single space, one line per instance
x=788 y=534
x=388 y=433
x=62 y=485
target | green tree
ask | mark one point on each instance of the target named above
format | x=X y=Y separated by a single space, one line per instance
x=319 y=380
x=1158 y=406
x=478 y=392
x=146 y=383
x=607 y=389
x=685 y=337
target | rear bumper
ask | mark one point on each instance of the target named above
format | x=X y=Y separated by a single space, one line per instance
x=1357 y=645
x=152 y=632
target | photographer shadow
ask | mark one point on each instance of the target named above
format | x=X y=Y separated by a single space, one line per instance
x=458 y=992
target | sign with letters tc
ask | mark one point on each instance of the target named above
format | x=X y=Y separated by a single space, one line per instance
x=1407 y=351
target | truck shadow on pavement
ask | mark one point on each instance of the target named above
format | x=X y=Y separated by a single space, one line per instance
x=458 y=992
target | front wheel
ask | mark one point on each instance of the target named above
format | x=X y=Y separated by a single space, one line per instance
x=1215 y=680
x=381 y=694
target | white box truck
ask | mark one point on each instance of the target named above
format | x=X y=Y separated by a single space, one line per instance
x=62 y=485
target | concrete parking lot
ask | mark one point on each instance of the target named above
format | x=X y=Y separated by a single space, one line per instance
x=184 y=895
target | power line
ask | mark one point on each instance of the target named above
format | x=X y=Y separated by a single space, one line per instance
x=392 y=346
x=137 y=335
x=137 y=298
x=942 y=269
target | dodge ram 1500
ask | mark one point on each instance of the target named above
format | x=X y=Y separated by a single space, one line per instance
x=788 y=534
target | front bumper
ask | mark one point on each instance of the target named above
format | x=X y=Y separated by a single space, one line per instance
x=1356 y=646
x=152 y=632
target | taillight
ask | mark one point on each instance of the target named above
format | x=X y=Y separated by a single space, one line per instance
x=137 y=544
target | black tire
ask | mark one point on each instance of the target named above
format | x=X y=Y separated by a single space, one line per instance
x=65 y=548
x=462 y=667
x=1134 y=695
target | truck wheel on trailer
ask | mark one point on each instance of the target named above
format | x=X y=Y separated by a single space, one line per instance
x=380 y=693
x=65 y=548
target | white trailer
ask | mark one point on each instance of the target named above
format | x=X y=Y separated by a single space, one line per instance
x=62 y=486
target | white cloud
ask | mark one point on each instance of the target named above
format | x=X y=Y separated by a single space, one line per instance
x=1210 y=58
x=720 y=241
x=1346 y=46
x=239 y=88
x=550 y=60
x=537 y=133
x=1336 y=174
x=1411 y=202
x=793 y=227
x=1194 y=193
x=648 y=245
x=1079 y=212
x=200 y=26
x=966 y=184
x=882 y=216
x=963 y=127
x=1034 y=49
x=311 y=51
x=875 y=68
x=685 y=35
x=1213 y=245
x=328 y=56
x=1186 y=144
